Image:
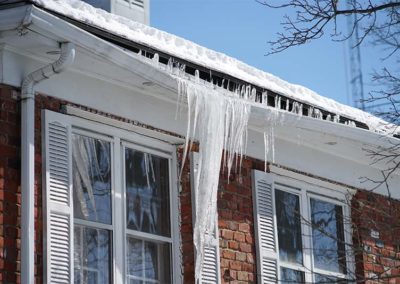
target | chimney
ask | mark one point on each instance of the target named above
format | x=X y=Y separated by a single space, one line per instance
x=137 y=10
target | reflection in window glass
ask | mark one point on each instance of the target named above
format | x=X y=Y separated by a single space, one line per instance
x=290 y=276
x=319 y=278
x=91 y=170
x=92 y=255
x=289 y=227
x=328 y=236
x=147 y=193
x=148 y=261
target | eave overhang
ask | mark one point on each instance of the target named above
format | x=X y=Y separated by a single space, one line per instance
x=309 y=131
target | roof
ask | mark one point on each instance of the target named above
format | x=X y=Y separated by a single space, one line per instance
x=191 y=52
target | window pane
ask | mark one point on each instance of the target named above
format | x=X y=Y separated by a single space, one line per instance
x=92 y=252
x=289 y=227
x=290 y=276
x=319 y=278
x=91 y=170
x=148 y=261
x=328 y=236
x=147 y=193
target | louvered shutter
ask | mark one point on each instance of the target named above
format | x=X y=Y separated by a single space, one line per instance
x=211 y=268
x=263 y=204
x=58 y=242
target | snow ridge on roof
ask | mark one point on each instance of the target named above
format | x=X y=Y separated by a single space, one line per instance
x=190 y=51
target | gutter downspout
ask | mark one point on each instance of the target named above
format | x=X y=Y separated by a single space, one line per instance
x=28 y=157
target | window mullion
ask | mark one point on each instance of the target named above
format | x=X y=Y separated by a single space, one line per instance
x=307 y=239
x=143 y=260
x=118 y=238
x=81 y=252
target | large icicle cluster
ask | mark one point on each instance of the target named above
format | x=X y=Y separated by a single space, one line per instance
x=217 y=121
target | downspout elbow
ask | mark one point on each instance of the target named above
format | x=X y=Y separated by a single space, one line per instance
x=66 y=59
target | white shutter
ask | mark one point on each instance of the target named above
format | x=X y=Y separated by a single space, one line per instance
x=58 y=242
x=211 y=267
x=263 y=204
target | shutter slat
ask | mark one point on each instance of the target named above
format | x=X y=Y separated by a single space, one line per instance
x=263 y=203
x=59 y=226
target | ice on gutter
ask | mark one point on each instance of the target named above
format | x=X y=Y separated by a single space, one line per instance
x=218 y=120
x=187 y=50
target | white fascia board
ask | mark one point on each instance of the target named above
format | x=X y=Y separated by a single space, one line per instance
x=43 y=21
x=355 y=134
x=11 y=19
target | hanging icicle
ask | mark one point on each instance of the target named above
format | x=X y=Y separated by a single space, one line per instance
x=218 y=122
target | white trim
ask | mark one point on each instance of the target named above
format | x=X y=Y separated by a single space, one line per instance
x=287 y=176
x=119 y=139
x=312 y=195
x=126 y=135
x=88 y=134
x=119 y=249
x=148 y=236
x=306 y=188
x=123 y=125
x=144 y=149
x=91 y=224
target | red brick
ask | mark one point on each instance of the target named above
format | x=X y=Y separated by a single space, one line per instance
x=243 y=276
x=245 y=247
x=228 y=254
x=243 y=227
x=235 y=265
x=233 y=245
x=241 y=256
x=226 y=234
x=239 y=237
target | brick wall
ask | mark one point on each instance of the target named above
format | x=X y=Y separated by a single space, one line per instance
x=10 y=196
x=376 y=237
x=235 y=224
x=376 y=218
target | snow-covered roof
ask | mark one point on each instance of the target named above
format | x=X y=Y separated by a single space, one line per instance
x=192 y=52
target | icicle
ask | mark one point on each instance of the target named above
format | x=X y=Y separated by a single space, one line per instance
x=317 y=113
x=310 y=111
x=243 y=91
x=278 y=102
x=336 y=118
x=350 y=123
x=287 y=105
x=170 y=66
x=253 y=95
x=182 y=70
x=264 y=97
x=220 y=121
x=266 y=148
x=247 y=93
x=156 y=60
x=197 y=76
x=297 y=108
x=328 y=117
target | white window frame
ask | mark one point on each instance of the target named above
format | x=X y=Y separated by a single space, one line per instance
x=117 y=137
x=306 y=188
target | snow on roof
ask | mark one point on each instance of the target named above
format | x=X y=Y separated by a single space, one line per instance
x=192 y=52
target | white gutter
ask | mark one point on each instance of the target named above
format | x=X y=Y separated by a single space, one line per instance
x=28 y=156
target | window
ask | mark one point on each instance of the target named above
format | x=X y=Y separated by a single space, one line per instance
x=111 y=203
x=301 y=233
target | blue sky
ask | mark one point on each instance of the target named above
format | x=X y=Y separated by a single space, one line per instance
x=242 y=29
